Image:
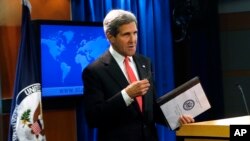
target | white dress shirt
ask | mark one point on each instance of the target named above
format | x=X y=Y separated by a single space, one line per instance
x=120 y=60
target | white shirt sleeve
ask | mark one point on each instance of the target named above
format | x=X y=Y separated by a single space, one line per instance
x=126 y=98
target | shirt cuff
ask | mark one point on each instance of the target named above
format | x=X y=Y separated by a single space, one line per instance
x=126 y=98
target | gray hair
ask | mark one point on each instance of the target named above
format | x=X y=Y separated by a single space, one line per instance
x=116 y=18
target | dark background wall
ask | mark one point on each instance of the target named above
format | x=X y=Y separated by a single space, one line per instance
x=235 y=48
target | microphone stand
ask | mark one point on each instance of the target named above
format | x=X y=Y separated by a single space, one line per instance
x=243 y=97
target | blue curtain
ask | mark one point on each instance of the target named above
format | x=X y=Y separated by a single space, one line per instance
x=155 y=41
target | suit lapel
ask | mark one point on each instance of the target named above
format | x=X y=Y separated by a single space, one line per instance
x=144 y=73
x=114 y=70
x=142 y=68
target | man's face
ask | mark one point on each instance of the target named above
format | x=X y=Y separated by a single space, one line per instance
x=126 y=40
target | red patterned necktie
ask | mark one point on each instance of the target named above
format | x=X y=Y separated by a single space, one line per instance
x=132 y=78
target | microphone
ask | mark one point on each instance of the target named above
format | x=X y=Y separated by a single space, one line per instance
x=243 y=97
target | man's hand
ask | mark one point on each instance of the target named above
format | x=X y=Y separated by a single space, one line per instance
x=184 y=119
x=137 y=88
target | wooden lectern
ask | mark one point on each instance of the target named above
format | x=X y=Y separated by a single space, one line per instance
x=214 y=130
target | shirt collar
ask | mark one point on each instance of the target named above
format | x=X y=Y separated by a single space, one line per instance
x=118 y=57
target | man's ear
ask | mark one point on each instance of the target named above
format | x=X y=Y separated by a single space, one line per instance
x=110 y=37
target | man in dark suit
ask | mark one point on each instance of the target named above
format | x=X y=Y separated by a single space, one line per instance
x=111 y=96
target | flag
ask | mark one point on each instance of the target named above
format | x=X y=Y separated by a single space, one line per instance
x=26 y=120
x=36 y=127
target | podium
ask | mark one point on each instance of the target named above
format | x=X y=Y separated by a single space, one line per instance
x=214 y=130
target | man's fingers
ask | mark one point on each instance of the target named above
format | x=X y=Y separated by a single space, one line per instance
x=184 y=119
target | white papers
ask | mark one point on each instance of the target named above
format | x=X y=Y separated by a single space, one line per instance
x=189 y=99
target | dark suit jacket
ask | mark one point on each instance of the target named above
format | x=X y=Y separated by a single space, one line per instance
x=106 y=109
